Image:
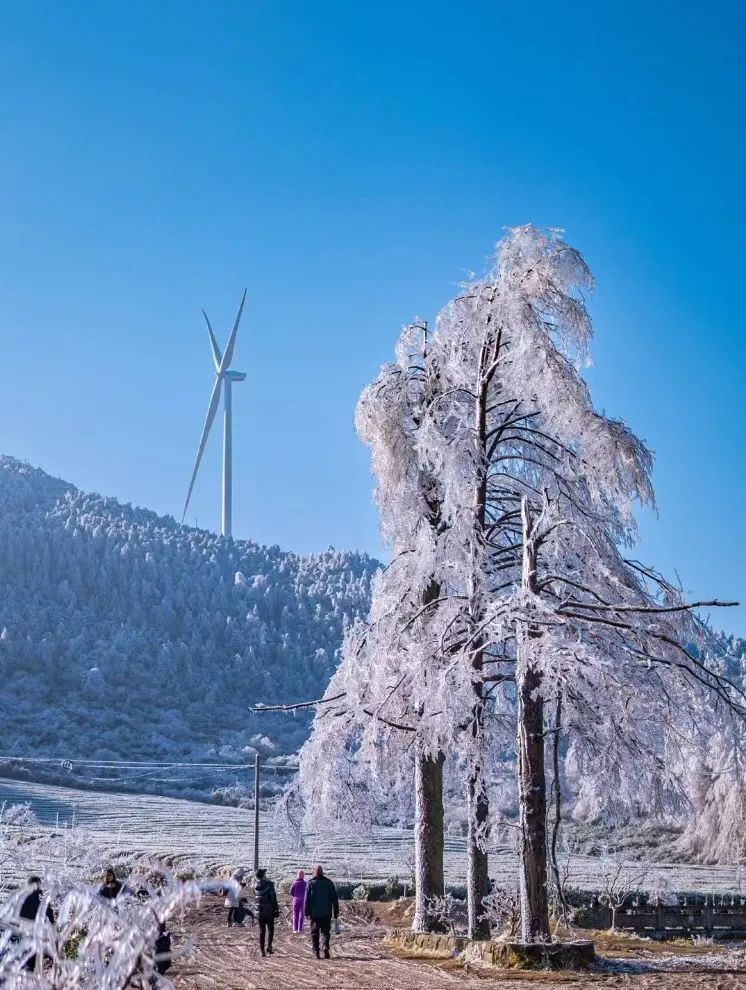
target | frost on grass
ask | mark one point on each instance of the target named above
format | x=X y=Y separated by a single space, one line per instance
x=78 y=939
x=67 y=936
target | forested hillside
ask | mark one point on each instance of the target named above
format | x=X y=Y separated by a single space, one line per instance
x=126 y=635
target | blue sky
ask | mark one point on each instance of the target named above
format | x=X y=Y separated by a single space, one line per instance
x=347 y=163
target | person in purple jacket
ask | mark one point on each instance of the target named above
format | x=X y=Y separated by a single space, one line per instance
x=298 y=893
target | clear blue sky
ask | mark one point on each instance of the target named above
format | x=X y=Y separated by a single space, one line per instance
x=347 y=163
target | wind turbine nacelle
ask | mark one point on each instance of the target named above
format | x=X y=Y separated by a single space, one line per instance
x=235 y=376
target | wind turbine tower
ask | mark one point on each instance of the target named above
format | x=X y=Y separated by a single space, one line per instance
x=225 y=376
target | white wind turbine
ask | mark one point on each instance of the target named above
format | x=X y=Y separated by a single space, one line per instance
x=224 y=379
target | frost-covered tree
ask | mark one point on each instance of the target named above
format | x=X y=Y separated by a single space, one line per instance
x=506 y=425
x=478 y=442
x=529 y=601
x=516 y=440
x=386 y=668
x=533 y=599
x=715 y=769
x=613 y=641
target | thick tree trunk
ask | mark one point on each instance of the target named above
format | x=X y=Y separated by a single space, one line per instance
x=557 y=800
x=532 y=807
x=428 y=818
x=428 y=840
x=477 y=876
x=532 y=797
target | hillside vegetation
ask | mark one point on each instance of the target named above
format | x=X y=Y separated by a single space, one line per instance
x=124 y=635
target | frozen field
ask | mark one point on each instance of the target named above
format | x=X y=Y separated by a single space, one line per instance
x=215 y=839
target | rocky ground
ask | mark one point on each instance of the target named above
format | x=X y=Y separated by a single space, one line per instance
x=229 y=959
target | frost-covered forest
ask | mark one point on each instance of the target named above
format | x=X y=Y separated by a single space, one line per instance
x=126 y=636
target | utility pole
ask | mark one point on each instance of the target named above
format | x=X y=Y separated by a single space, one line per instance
x=256 y=814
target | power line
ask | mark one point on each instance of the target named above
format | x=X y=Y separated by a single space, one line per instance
x=68 y=762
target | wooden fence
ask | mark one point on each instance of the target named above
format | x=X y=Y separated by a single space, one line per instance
x=662 y=921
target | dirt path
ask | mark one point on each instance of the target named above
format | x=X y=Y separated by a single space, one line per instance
x=229 y=959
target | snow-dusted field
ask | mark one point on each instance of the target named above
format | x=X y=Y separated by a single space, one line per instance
x=215 y=838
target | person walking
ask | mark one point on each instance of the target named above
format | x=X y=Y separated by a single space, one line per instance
x=320 y=904
x=298 y=894
x=267 y=909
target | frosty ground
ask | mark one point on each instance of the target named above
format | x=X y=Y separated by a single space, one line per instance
x=212 y=840
x=228 y=959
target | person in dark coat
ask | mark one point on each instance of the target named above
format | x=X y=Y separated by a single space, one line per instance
x=30 y=909
x=321 y=903
x=267 y=909
x=32 y=903
x=161 y=961
x=111 y=888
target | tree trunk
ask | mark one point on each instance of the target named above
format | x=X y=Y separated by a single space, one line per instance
x=532 y=798
x=557 y=798
x=428 y=815
x=477 y=877
x=477 y=871
x=428 y=840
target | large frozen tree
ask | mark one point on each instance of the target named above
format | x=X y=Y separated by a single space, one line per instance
x=373 y=707
x=613 y=642
x=507 y=497
x=505 y=425
x=529 y=468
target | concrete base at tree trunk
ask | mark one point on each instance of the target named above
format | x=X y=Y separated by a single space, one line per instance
x=505 y=955
x=427 y=943
x=531 y=955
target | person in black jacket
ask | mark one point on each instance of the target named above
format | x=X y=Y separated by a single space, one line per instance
x=32 y=903
x=267 y=909
x=321 y=903
x=30 y=909
x=161 y=955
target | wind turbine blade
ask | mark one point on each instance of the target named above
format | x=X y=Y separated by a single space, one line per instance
x=211 y=410
x=216 y=355
x=228 y=354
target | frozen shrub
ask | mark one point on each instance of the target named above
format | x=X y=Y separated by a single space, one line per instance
x=17 y=816
x=502 y=909
x=79 y=940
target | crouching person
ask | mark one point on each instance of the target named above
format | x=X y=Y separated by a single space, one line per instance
x=321 y=905
x=238 y=905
